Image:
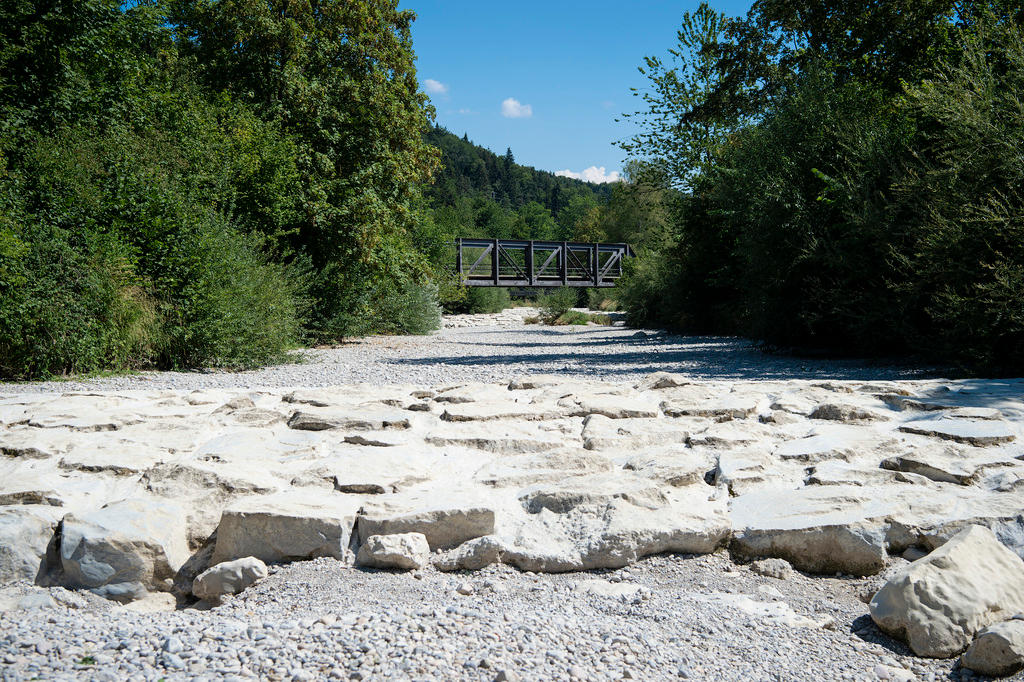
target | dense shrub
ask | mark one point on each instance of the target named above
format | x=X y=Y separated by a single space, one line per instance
x=169 y=196
x=842 y=206
x=557 y=302
x=482 y=300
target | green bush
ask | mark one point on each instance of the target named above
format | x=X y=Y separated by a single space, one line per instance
x=601 y=299
x=118 y=266
x=483 y=300
x=231 y=307
x=555 y=304
x=415 y=310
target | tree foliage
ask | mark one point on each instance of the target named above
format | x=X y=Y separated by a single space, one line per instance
x=866 y=193
x=189 y=182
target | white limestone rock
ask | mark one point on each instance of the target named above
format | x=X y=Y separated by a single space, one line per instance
x=818 y=529
x=506 y=438
x=779 y=569
x=229 y=577
x=675 y=467
x=123 y=550
x=282 y=529
x=566 y=494
x=998 y=650
x=526 y=470
x=938 y=603
x=611 y=406
x=507 y=409
x=617 y=533
x=443 y=528
x=845 y=413
x=323 y=419
x=407 y=551
x=603 y=433
x=661 y=380
x=815 y=448
x=25 y=531
x=980 y=432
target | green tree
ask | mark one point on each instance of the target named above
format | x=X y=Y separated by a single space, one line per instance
x=677 y=148
x=340 y=77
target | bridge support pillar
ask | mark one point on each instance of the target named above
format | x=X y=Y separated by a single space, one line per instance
x=563 y=263
x=529 y=263
x=496 y=261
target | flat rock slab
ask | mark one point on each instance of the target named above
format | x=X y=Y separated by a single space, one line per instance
x=323 y=419
x=971 y=431
x=443 y=528
x=279 y=530
x=501 y=438
x=603 y=433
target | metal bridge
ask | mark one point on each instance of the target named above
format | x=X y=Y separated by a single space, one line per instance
x=515 y=263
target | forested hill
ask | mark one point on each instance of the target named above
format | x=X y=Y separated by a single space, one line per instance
x=477 y=193
x=469 y=170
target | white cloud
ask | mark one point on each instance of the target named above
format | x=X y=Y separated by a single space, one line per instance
x=468 y=112
x=435 y=87
x=511 y=108
x=592 y=174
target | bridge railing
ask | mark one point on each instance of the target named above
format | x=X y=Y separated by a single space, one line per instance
x=529 y=263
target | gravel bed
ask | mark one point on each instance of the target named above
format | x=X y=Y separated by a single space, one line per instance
x=500 y=353
x=316 y=620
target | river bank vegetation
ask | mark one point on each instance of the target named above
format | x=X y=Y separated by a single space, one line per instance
x=844 y=175
x=189 y=183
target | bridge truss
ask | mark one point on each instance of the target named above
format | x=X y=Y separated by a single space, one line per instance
x=517 y=263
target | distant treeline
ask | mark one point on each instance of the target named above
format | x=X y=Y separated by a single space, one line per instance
x=848 y=175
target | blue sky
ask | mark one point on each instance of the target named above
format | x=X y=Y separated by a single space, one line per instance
x=544 y=78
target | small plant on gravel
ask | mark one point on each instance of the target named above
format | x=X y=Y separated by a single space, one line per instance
x=579 y=318
x=557 y=303
x=572 y=317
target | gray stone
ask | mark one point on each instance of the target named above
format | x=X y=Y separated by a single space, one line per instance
x=282 y=530
x=998 y=650
x=772 y=568
x=939 y=602
x=230 y=577
x=407 y=551
x=25 y=531
x=974 y=432
x=123 y=549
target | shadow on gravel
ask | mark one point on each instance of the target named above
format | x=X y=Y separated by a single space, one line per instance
x=621 y=354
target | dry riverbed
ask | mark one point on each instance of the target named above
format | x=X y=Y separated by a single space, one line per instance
x=581 y=503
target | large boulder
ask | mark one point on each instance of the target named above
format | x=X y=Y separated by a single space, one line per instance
x=998 y=650
x=939 y=602
x=122 y=550
x=280 y=530
x=25 y=531
x=230 y=577
x=401 y=550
